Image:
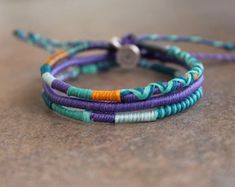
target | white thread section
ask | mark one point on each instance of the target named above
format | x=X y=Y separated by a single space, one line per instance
x=48 y=78
x=128 y=117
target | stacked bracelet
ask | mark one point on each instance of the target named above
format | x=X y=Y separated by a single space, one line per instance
x=154 y=101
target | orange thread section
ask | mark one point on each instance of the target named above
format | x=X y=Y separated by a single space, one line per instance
x=196 y=76
x=56 y=57
x=106 y=95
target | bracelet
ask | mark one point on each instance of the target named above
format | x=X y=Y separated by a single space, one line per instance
x=154 y=101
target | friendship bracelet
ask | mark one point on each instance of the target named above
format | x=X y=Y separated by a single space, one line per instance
x=154 y=101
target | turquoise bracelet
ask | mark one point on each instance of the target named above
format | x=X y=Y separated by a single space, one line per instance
x=154 y=101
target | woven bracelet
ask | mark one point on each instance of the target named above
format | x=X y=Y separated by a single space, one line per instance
x=154 y=101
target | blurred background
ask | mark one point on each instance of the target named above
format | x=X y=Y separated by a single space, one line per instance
x=38 y=148
x=100 y=19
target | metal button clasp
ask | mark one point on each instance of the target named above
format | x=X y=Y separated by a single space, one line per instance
x=127 y=56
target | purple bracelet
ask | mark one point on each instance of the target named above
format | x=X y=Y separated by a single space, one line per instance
x=112 y=107
x=168 y=97
x=155 y=101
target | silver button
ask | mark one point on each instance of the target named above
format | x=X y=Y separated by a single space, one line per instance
x=128 y=56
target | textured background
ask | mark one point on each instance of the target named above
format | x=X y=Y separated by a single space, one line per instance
x=38 y=148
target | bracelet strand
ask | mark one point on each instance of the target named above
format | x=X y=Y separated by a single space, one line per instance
x=154 y=101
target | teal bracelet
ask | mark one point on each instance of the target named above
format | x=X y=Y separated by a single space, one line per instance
x=154 y=101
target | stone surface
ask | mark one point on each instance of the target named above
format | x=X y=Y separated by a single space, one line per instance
x=39 y=148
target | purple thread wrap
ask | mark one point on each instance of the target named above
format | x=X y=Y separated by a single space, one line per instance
x=111 y=107
x=79 y=61
x=217 y=57
x=107 y=118
x=63 y=86
x=130 y=39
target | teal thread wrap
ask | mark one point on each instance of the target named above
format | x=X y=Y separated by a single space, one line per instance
x=77 y=115
x=84 y=116
x=45 y=68
x=79 y=92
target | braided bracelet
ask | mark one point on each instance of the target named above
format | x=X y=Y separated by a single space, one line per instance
x=154 y=101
